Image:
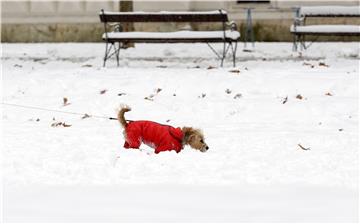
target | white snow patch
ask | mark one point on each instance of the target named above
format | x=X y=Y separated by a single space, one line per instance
x=255 y=166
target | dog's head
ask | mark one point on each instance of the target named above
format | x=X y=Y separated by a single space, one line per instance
x=194 y=138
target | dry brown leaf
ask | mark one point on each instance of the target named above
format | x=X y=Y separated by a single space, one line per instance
x=299 y=97
x=235 y=71
x=65 y=101
x=323 y=64
x=85 y=116
x=285 y=100
x=303 y=148
x=239 y=95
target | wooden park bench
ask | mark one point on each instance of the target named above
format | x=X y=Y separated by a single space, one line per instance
x=115 y=38
x=299 y=29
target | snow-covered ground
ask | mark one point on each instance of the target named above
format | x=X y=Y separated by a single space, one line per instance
x=256 y=118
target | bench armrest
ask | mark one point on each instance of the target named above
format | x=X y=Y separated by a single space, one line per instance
x=232 y=25
x=298 y=21
x=116 y=27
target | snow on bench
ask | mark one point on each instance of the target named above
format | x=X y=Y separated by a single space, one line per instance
x=178 y=35
x=329 y=11
x=214 y=12
x=327 y=29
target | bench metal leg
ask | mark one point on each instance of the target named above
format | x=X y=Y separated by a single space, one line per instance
x=110 y=50
x=295 y=42
x=106 y=52
x=226 y=47
x=117 y=54
x=233 y=49
x=226 y=51
x=224 y=55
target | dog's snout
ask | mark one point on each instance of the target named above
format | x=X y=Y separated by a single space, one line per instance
x=207 y=147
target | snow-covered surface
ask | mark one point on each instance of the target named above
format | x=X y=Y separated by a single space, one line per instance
x=329 y=10
x=326 y=29
x=166 y=12
x=254 y=118
x=235 y=35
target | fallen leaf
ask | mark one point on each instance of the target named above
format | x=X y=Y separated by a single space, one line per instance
x=65 y=101
x=323 y=64
x=328 y=94
x=303 y=148
x=148 y=98
x=308 y=64
x=85 y=116
x=239 y=95
x=103 y=91
x=57 y=124
x=228 y=91
x=285 y=100
x=66 y=125
x=203 y=95
x=234 y=71
x=299 y=97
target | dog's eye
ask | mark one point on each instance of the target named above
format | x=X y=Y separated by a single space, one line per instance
x=201 y=141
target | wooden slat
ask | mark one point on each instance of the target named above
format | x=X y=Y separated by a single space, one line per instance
x=172 y=40
x=177 y=17
x=326 y=33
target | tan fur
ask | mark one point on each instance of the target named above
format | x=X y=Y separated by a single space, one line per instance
x=121 y=116
x=194 y=138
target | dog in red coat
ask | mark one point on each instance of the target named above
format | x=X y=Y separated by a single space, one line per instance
x=159 y=136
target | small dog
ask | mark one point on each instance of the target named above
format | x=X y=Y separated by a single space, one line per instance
x=159 y=136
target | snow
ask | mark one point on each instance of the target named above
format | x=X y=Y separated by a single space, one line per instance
x=330 y=10
x=180 y=203
x=326 y=29
x=253 y=116
x=234 y=35
x=166 y=12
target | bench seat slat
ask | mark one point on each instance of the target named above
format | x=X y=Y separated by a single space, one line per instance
x=330 y=11
x=205 y=16
x=327 y=29
x=175 y=36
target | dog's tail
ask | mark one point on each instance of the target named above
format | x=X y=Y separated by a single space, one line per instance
x=123 y=109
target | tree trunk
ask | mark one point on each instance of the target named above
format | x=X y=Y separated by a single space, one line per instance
x=127 y=6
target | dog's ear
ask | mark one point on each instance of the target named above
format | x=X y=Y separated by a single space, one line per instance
x=191 y=137
x=187 y=131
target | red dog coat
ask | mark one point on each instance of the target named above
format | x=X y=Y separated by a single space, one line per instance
x=159 y=136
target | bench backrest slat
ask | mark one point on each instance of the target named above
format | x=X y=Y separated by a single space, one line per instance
x=208 y=16
x=330 y=11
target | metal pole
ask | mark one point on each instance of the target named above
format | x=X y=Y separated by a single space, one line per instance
x=249 y=33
